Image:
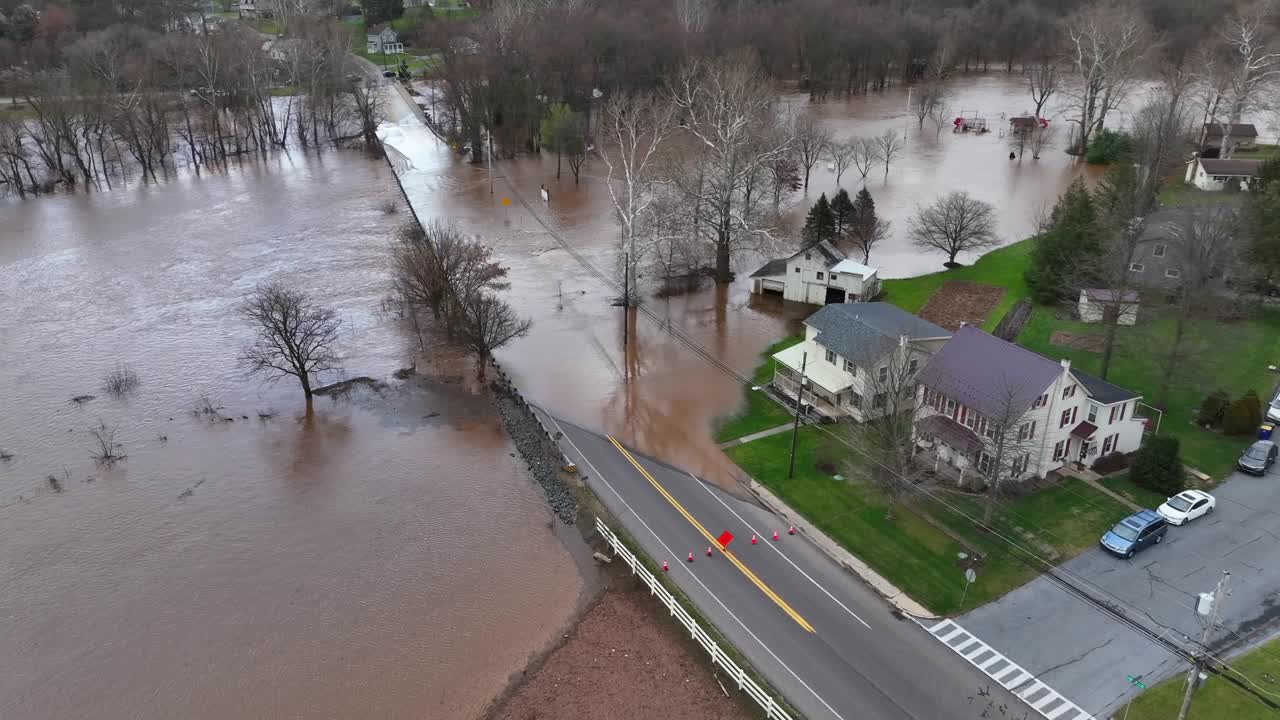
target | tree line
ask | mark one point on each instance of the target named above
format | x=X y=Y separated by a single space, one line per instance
x=129 y=98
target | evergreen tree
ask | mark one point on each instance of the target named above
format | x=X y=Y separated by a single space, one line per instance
x=843 y=209
x=821 y=223
x=1263 y=213
x=1157 y=465
x=377 y=11
x=865 y=229
x=864 y=210
x=1060 y=256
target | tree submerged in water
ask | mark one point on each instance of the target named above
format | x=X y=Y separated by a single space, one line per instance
x=296 y=336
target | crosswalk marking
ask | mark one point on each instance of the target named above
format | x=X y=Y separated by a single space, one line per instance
x=1042 y=698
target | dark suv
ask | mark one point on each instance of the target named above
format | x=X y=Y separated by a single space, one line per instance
x=1134 y=533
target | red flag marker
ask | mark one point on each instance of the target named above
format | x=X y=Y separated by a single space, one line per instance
x=775 y=534
x=725 y=538
x=690 y=557
x=753 y=538
x=791 y=529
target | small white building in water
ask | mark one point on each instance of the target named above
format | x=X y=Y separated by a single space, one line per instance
x=819 y=274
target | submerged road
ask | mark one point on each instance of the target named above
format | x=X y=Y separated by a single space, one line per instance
x=832 y=646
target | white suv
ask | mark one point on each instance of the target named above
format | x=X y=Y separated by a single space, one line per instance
x=1273 y=410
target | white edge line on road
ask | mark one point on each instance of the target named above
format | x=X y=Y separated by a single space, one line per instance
x=600 y=475
x=780 y=553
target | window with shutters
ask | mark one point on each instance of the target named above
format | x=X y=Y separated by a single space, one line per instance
x=850 y=368
x=1041 y=401
x=1066 y=419
x=883 y=374
x=831 y=357
x=1060 y=450
x=1068 y=391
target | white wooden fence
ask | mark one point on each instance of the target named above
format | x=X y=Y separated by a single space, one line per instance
x=718 y=656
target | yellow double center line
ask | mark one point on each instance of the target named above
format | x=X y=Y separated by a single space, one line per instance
x=724 y=551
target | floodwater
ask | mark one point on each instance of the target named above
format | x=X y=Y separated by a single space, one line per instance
x=372 y=560
x=658 y=395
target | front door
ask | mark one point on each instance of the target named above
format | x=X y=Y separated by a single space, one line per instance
x=1110 y=313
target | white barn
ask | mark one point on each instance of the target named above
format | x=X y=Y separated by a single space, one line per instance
x=818 y=275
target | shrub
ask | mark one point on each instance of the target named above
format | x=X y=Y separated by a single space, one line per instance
x=1157 y=465
x=1242 y=416
x=1110 y=463
x=1212 y=409
x=1107 y=147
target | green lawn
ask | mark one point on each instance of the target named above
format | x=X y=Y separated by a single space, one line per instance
x=1003 y=267
x=911 y=553
x=1262 y=152
x=1176 y=193
x=1216 y=698
x=760 y=413
x=1137 y=494
x=1230 y=356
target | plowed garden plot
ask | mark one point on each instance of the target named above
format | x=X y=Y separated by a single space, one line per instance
x=958 y=302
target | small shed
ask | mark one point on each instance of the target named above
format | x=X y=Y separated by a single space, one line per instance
x=1101 y=305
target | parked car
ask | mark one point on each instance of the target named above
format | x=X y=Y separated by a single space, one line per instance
x=1186 y=506
x=1258 y=458
x=1273 y=410
x=1136 y=532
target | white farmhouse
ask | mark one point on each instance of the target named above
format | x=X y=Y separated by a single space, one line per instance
x=1212 y=174
x=817 y=275
x=981 y=396
x=382 y=38
x=1102 y=305
x=849 y=352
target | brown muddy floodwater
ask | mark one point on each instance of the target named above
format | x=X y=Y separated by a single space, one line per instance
x=660 y=396
x=370 y=561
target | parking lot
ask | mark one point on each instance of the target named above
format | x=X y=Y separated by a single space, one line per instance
x=1085 y=655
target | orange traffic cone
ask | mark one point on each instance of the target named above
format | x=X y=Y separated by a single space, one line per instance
x=708 y=551
x=753 y=538
x=690 y=557
x=791 y=529
x=664 y=566
x=775 y=534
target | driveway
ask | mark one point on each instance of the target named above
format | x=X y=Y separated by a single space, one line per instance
x=1084 y=655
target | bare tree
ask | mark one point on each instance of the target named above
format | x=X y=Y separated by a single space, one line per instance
x=1254 y=65
x=1107 y=44
x=890 y=145
x=633 y=129
x=1040 y=139
x=811 y=142
x=866 y=155
x=693 y=14
x=866 y=236
x=295 y=336
x=842 y=156
x=940 y=116
x=926 y=99
x=954 y=224
x=886 y=400
x=727 y=109
x=438 y=269
x=1207 y=249
x=490 y=323
x=1043 y=80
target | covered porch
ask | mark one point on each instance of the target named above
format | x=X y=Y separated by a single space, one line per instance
x=948 y=448
x=825 y=388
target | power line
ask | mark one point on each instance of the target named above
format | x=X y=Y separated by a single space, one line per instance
x=1054 y=574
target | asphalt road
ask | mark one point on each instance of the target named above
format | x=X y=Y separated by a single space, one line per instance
x=832 y=646
x=1086 y=656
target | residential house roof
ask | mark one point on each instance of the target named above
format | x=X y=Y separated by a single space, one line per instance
x=1238 y=130
x=375 y=29
x=853 y=267
x=1101 y=295
x=1022 y=123
x=866 y=332
x=1102 y=391
x=1234 y=168
x=997 y=378
x=950 y=432
x=777 y=266
x=829 y=252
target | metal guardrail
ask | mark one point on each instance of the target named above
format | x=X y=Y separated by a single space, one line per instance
x=718 y=656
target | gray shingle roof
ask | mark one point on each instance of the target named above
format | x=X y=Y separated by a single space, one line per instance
x=865 y=332
x=1101 y=390
x=1238 y=130
x=998 y=379
x=1241 y=168
x=777 y=266
x=827 y=250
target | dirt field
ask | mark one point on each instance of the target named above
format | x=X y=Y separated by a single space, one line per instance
x=623 y=660
x=959 y=301
x=1092 y=343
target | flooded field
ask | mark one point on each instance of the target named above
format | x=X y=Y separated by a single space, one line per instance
x=387 y=557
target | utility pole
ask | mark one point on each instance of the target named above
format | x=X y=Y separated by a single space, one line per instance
x=1193 y=677
x=489 y=142
x=795 y=431
x=626 y=296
